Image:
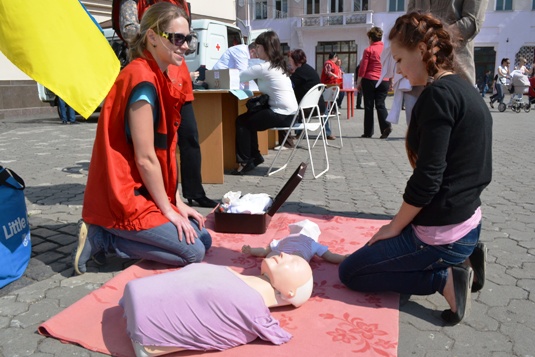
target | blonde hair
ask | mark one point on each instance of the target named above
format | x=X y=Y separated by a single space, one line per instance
x=156 y=18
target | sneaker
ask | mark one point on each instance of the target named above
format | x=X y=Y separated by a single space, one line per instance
x=491 y=104
x=84 y=251
x=280 y=148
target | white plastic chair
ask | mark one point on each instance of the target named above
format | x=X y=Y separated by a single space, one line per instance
x=330 y=95
x=311 y=122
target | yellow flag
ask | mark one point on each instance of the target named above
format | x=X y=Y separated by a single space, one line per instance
x=57 y=44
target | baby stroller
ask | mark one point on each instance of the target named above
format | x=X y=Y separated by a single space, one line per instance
x=518 y=86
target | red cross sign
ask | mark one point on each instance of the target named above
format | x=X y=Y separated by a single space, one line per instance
x=218 y=47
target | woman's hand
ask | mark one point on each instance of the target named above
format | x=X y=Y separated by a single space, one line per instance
x=194 y=75
x=182 y=222
x=385 y=232
x=401 y=220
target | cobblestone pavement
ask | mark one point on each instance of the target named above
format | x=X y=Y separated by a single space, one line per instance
x=366 y=179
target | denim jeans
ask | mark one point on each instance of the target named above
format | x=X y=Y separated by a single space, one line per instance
x=66 y=113
x=405 y=264
x=159 y=244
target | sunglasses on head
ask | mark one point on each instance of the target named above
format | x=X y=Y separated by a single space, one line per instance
x=176 y=39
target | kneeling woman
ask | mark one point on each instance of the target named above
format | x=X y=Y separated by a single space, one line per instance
x=130 y=202
x=429 y=245
x=273 y=79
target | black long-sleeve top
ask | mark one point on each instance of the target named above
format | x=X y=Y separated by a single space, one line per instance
x=451 y=132
x=304 y=78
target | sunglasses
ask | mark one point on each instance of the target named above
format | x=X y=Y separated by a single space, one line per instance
x=176 y=39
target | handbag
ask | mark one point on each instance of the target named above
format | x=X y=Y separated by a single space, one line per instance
x=258 y=103
x=15 y=242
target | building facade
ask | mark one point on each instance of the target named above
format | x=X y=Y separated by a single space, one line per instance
x=321 y=26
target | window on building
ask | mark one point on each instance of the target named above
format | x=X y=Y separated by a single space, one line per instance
x=396 y=5
x=281 y=9
x=362 y=5
x=336 y=6
x=260 y=10
x=313 y=7
x=285 y=48
x=504 y=5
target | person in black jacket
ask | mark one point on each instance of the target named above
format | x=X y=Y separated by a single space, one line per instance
x=303 y=76
x=431 y=244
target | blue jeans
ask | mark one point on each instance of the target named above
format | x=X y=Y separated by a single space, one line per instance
x=159 y=244
x=66 y=113
x=405 y=264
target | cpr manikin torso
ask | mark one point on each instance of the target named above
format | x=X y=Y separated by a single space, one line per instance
x=223 y=307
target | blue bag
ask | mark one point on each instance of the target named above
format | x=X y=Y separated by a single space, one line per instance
x=15 y=242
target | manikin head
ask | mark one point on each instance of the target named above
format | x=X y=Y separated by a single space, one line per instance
x=291 y=277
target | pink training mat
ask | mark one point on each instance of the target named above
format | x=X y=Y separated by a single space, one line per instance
x=334 y=322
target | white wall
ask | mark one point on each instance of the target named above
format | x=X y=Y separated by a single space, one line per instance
x=224 y=9
x=8 y=71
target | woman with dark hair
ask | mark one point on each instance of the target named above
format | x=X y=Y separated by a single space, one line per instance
x=303 y=76
x=132 y=205
x=501 y=82
x=368 y=75
x=431 y=244
x=273 y=79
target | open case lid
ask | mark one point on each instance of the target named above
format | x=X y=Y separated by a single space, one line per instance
x=288 y=188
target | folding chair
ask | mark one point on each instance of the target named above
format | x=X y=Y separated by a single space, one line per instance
x=311 y=122
x=330 y=95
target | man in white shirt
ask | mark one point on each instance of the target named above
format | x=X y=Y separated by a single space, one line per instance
x=238 y=57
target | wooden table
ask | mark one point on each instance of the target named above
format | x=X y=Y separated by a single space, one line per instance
x=216 y=112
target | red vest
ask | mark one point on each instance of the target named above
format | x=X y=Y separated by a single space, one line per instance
x=329 y=67
x=115 y=196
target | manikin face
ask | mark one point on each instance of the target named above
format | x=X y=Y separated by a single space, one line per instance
x=409 y=63
x=165 y=52
x=286 y=273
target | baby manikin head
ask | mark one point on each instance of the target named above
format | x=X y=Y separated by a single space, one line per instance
x=291 y=276
x=306 y=228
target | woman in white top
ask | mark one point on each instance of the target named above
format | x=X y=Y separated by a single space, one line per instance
x=503 y=74
x=273 y=79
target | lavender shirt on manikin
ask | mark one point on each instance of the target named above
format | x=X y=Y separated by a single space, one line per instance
x=199 y=307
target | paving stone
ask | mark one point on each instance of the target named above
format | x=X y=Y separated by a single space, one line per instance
x=367 y=179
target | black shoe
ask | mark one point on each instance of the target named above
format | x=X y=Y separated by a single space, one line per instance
x=359 y=107
x=462 y=284
x=478 y=261
x=491 y=102
x=243 y=168
x=203 y=202
x=365 y=136
x=385 y=133
x=258 y=161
